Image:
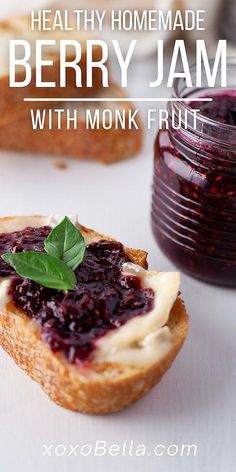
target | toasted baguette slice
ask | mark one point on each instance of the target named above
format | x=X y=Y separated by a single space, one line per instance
x=105 y=145
x=12 y=99
x=104 y=387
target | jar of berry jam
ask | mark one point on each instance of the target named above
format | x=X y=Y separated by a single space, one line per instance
x=194 y=187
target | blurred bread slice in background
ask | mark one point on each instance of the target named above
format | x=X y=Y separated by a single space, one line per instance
x=15 y=7
x=12 y=99
x=104 y=145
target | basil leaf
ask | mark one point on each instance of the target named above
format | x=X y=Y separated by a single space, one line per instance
x=42 y=268
x=66 y=242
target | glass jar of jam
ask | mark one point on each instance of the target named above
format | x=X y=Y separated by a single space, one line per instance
x=194 y=186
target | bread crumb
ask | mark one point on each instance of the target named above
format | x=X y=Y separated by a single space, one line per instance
x=60 y=165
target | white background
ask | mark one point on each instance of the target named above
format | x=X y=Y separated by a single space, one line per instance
x=194 y=403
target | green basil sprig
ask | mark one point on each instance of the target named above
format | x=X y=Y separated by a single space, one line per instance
x=65 y=248
x=42 y=268
x=66 y=242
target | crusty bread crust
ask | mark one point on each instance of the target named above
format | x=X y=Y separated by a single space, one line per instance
x=104 y=388
x=104 y=145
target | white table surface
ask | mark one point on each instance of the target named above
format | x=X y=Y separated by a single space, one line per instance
x=194 y=403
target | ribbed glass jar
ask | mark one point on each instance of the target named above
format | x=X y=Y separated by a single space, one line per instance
x=194 y=185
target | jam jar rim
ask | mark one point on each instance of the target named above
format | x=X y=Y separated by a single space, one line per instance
x=202 y=120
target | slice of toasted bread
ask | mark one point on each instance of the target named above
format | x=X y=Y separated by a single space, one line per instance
x=12 y=99
x=102 y=388
x=106 y=145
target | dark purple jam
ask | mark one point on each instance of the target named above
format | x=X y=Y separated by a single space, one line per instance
x=30 y=239
x=221 y=109
x=104 y=299
x=194 y=193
